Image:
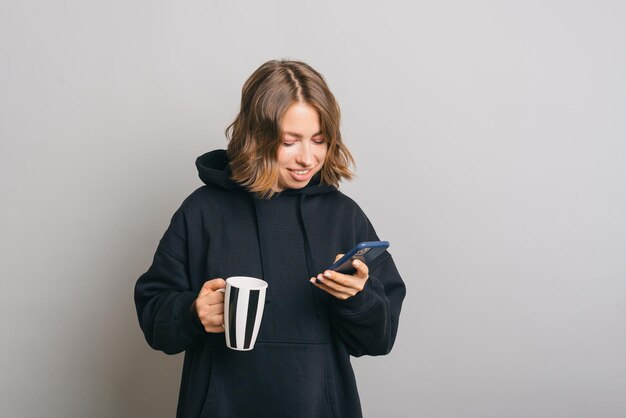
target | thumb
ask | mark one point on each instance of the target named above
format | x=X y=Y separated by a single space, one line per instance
x=211 y=286
x=338 y=256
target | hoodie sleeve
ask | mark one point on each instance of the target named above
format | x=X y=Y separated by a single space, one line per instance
x=163 y=295
x=367 y=323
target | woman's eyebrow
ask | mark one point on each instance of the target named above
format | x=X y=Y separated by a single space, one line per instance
x=299 y=136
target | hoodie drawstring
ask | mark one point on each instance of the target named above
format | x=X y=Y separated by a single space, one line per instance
x=308 y=256
x=261 y=247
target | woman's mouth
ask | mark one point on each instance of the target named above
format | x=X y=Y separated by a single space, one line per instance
x=300 y=175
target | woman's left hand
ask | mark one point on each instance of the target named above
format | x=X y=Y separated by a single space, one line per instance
x=343 y=286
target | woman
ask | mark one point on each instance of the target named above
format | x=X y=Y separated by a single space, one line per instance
x=271 y=209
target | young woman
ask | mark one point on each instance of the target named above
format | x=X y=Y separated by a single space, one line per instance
x=270 y=208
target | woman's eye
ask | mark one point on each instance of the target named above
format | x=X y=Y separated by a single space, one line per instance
x=287 y=144
x=319 y=140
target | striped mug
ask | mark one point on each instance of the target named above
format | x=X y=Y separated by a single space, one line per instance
x=244 y=301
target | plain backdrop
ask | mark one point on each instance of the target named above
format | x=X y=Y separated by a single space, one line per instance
x=489 y=139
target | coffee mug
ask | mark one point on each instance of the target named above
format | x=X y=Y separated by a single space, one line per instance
x=244 y=300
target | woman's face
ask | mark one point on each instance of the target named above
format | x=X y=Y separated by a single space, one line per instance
x=303 y=148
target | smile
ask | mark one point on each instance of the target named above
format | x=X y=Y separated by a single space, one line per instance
x=301 y=172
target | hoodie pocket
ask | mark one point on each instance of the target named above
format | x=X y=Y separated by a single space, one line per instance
x=273 y=380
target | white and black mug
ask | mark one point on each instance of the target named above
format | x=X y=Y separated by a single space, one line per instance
x=244 y=300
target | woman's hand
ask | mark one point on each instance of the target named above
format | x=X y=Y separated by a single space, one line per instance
x=209 y=305
x=343 y=286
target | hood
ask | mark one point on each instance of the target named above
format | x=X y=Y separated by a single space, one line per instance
x=214 y=168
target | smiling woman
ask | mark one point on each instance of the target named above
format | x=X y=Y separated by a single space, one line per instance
x=270 y=209
x=284 y=102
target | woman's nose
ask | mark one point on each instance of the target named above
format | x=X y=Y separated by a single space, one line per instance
x=305 y=156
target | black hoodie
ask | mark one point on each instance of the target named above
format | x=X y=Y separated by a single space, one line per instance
x=300 y=365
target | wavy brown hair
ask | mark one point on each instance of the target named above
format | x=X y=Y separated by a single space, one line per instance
x=255 y=136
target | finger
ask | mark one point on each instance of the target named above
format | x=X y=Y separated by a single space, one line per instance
x=347 y=280
x=205 y=312
x=338 y=256
x=335 y=278
x=361 y=268
x=213 y=321
x=212 y=298
x=216 y=320
x=211 y=315
x=217 y=323
x=333 y=292
x=214 y=330
x=344 y=282
x=212 y=286
x=217 y=309
x=341 y=282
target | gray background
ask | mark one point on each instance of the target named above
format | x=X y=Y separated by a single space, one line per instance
x=489 y=139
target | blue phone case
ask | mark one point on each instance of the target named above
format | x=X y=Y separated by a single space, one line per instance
x=365 y=251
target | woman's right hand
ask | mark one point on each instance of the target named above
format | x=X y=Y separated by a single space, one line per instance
x=209 y=305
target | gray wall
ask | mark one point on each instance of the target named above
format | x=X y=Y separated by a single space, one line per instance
x=489 y=138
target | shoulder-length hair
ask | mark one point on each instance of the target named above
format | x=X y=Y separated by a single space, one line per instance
x=255 y=135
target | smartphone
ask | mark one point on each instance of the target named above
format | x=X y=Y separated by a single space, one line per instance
x=365 y=251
